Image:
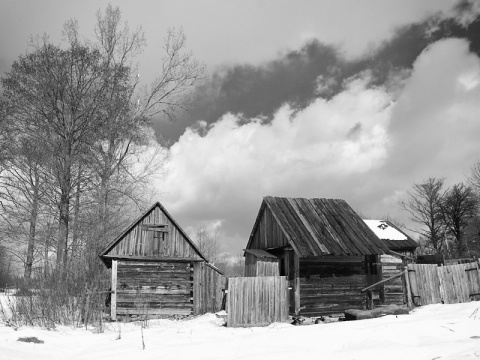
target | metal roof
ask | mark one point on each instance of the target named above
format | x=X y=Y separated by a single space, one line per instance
x=317 y=227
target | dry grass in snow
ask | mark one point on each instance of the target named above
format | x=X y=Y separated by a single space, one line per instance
x=431 y=332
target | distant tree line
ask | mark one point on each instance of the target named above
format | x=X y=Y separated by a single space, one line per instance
x=76 y=146
x=449 y=218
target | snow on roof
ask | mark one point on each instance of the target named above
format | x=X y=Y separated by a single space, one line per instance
x=384 y=231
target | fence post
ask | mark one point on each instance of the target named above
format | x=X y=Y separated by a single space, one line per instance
x=407 y=285
x=113 y=304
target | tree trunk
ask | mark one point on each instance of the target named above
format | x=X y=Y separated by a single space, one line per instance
x=62 y=242
x=31 y=236
x=76 y=214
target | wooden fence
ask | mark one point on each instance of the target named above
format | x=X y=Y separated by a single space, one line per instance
x=208 y=288
x=431 y=284
x=257 y=301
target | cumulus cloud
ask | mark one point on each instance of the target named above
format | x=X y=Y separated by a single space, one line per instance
x=297 y=77
x=366 y=144
x=223 y=175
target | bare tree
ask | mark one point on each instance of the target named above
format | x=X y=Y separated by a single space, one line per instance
x=423 y=205
x=85 y=103
x=458 y=206
x=209 y=244
x=24 y=189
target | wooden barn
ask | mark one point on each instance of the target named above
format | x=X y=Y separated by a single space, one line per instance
x=157 y=271
x=324 y=248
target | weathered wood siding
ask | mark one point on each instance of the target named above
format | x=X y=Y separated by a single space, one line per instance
x=154 y=289
x=393 y=291
x=431 y=284
x=268 y=267
x=154 y=242
x=330 y=286
x=268 y=233
x=250 y=265
x=208 y=289
x=261 y=267
x=257 y=301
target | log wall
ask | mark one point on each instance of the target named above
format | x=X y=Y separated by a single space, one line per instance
x=154 y=289
x=331 y=285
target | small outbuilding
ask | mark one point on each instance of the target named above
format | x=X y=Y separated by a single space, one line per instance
x=323 y=247
x=157 y=271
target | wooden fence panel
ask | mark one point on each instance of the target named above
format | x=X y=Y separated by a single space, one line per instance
x=257 y=301
x=473 y=276
x=431 y=284
x=208 y=286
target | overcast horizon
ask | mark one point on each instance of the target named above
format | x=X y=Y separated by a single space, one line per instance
x=350 y=100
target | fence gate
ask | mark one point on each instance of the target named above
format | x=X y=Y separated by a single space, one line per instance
x=431 y=284
x=257 y=301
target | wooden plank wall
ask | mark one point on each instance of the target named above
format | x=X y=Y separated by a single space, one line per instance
x=141 y=241
x=257 y=301
x=268 y=267
x=250 y=265
x=393 y=291
x=154 y=289
x=330 y=286
x=208 y=289
x=431 y=284
x=268 y=233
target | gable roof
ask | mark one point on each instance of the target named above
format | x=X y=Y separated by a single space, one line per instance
x=391 y=235
x=317 y=227
x=115 y=241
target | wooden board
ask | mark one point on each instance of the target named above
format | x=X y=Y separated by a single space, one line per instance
x=257 y=301
x=208 y=289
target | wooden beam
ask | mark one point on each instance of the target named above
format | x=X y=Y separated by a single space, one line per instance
x=401 y=255
x=383 y=281
x=113 y=303
x=296 y=266
x=407 y=285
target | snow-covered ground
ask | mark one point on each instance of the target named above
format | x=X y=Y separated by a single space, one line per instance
x=431 y=332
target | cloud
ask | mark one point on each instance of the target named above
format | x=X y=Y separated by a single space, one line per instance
x=223 y=175
x=367 y=145
x=298 y=77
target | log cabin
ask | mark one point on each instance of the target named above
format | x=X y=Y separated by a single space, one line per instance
x=157 y=270
x=324 y=248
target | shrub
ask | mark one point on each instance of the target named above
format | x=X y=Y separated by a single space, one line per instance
x=72 y=297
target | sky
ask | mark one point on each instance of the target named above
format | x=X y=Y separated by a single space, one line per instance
x=330 y=99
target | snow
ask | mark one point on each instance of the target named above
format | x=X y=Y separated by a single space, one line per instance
x=430 y=332
x=385 y=231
